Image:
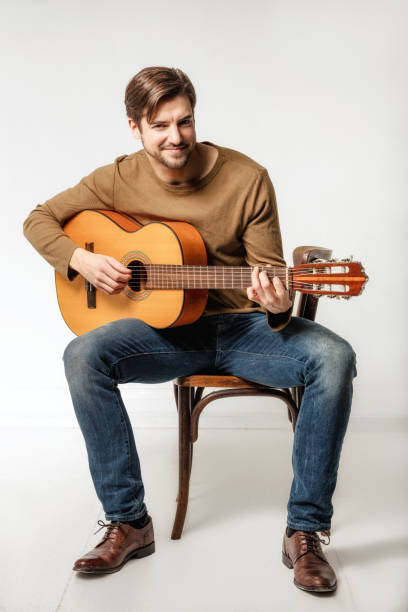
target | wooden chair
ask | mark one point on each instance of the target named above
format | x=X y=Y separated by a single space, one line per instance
x=188 y=392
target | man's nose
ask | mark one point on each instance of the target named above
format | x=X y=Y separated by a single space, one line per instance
x=174 y=135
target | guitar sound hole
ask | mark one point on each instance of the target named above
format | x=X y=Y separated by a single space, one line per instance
x=139 y=276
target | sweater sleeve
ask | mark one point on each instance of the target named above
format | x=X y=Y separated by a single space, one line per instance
x=262 y=238
x=43 y=226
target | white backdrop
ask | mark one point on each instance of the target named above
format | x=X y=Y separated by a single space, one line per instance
x=315 y=91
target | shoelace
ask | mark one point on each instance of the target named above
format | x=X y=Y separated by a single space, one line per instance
x=110 y=528
x=312 y=539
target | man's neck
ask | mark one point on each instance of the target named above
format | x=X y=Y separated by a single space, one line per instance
x=201 y=161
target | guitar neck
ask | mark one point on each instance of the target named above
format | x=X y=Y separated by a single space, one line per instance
x=207 y=277
x=343 y=278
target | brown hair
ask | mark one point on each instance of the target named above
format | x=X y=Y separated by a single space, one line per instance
x=151 y=86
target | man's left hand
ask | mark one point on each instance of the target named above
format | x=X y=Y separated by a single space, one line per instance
x=272 y=296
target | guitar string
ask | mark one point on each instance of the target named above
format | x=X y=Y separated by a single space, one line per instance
x=177 y=274
x=223 y=280
x=209 y=285
x=225 y=285
x=245 y=269
x=218 y=271
x=159 y=277
x=185 y=270
x=296 y=286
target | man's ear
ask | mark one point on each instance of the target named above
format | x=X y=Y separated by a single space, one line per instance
x=134 y=128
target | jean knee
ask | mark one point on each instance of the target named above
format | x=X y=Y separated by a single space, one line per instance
x=341 y=358
x=78 y=357
x=347 y=356
x=71 y=355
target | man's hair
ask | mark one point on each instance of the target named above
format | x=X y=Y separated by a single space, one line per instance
x=153 y=85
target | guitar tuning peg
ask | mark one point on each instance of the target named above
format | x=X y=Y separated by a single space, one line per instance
x=347 y=259
x=346 y=297
x=331 y=296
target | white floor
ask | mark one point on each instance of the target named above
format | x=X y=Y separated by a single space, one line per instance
x=228 y=559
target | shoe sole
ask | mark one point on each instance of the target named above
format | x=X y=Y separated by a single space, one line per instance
x=139 y=553
x=313 y=589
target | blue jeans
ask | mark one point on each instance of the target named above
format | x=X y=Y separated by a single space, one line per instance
x=302 y=354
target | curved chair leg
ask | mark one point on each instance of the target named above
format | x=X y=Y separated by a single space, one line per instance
x=296 y=394
x=193 y=395
x=185 y=459
x=191 y=456
x=175 y=390
x=298 y=391
x=289 y=416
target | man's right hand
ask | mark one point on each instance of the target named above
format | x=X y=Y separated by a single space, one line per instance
x=102 y=271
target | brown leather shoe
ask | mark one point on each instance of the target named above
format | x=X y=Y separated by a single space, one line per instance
x=312 y=570
x=120 y=543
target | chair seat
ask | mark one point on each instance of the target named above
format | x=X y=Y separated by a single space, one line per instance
x=210 y=380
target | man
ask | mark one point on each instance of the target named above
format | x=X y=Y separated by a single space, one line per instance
x=229 y=198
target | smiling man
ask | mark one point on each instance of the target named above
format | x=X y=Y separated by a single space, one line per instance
x=169 y=140
x=248 y=333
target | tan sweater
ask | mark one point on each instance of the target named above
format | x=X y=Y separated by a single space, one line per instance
x=233 y=207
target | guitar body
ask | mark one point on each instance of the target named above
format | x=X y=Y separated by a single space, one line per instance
x=118 y=235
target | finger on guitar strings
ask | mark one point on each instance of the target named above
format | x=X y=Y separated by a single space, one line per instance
x=116 y=265
x=270 y=296
x=106 y=283
x=279 y=287
x=256 y=287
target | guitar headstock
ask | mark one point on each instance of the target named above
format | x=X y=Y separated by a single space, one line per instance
x=336 y=278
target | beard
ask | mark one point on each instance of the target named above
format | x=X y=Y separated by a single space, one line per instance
x=170 y=159
x=175 y=161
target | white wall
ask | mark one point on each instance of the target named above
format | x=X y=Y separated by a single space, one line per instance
x=315 y=91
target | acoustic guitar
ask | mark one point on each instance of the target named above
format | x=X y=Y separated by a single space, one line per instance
x=170 y=277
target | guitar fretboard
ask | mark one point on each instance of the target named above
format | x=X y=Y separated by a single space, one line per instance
x=205 y=277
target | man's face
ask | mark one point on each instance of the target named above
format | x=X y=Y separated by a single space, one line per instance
x=170 y=136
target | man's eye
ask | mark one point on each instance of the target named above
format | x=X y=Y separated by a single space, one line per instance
x=158 y=125
x=186 y=121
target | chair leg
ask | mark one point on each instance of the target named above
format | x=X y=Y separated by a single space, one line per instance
x=299 y=391
x=185 y=459
x=175 y=391
x=191 y=456
x=191 y=408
